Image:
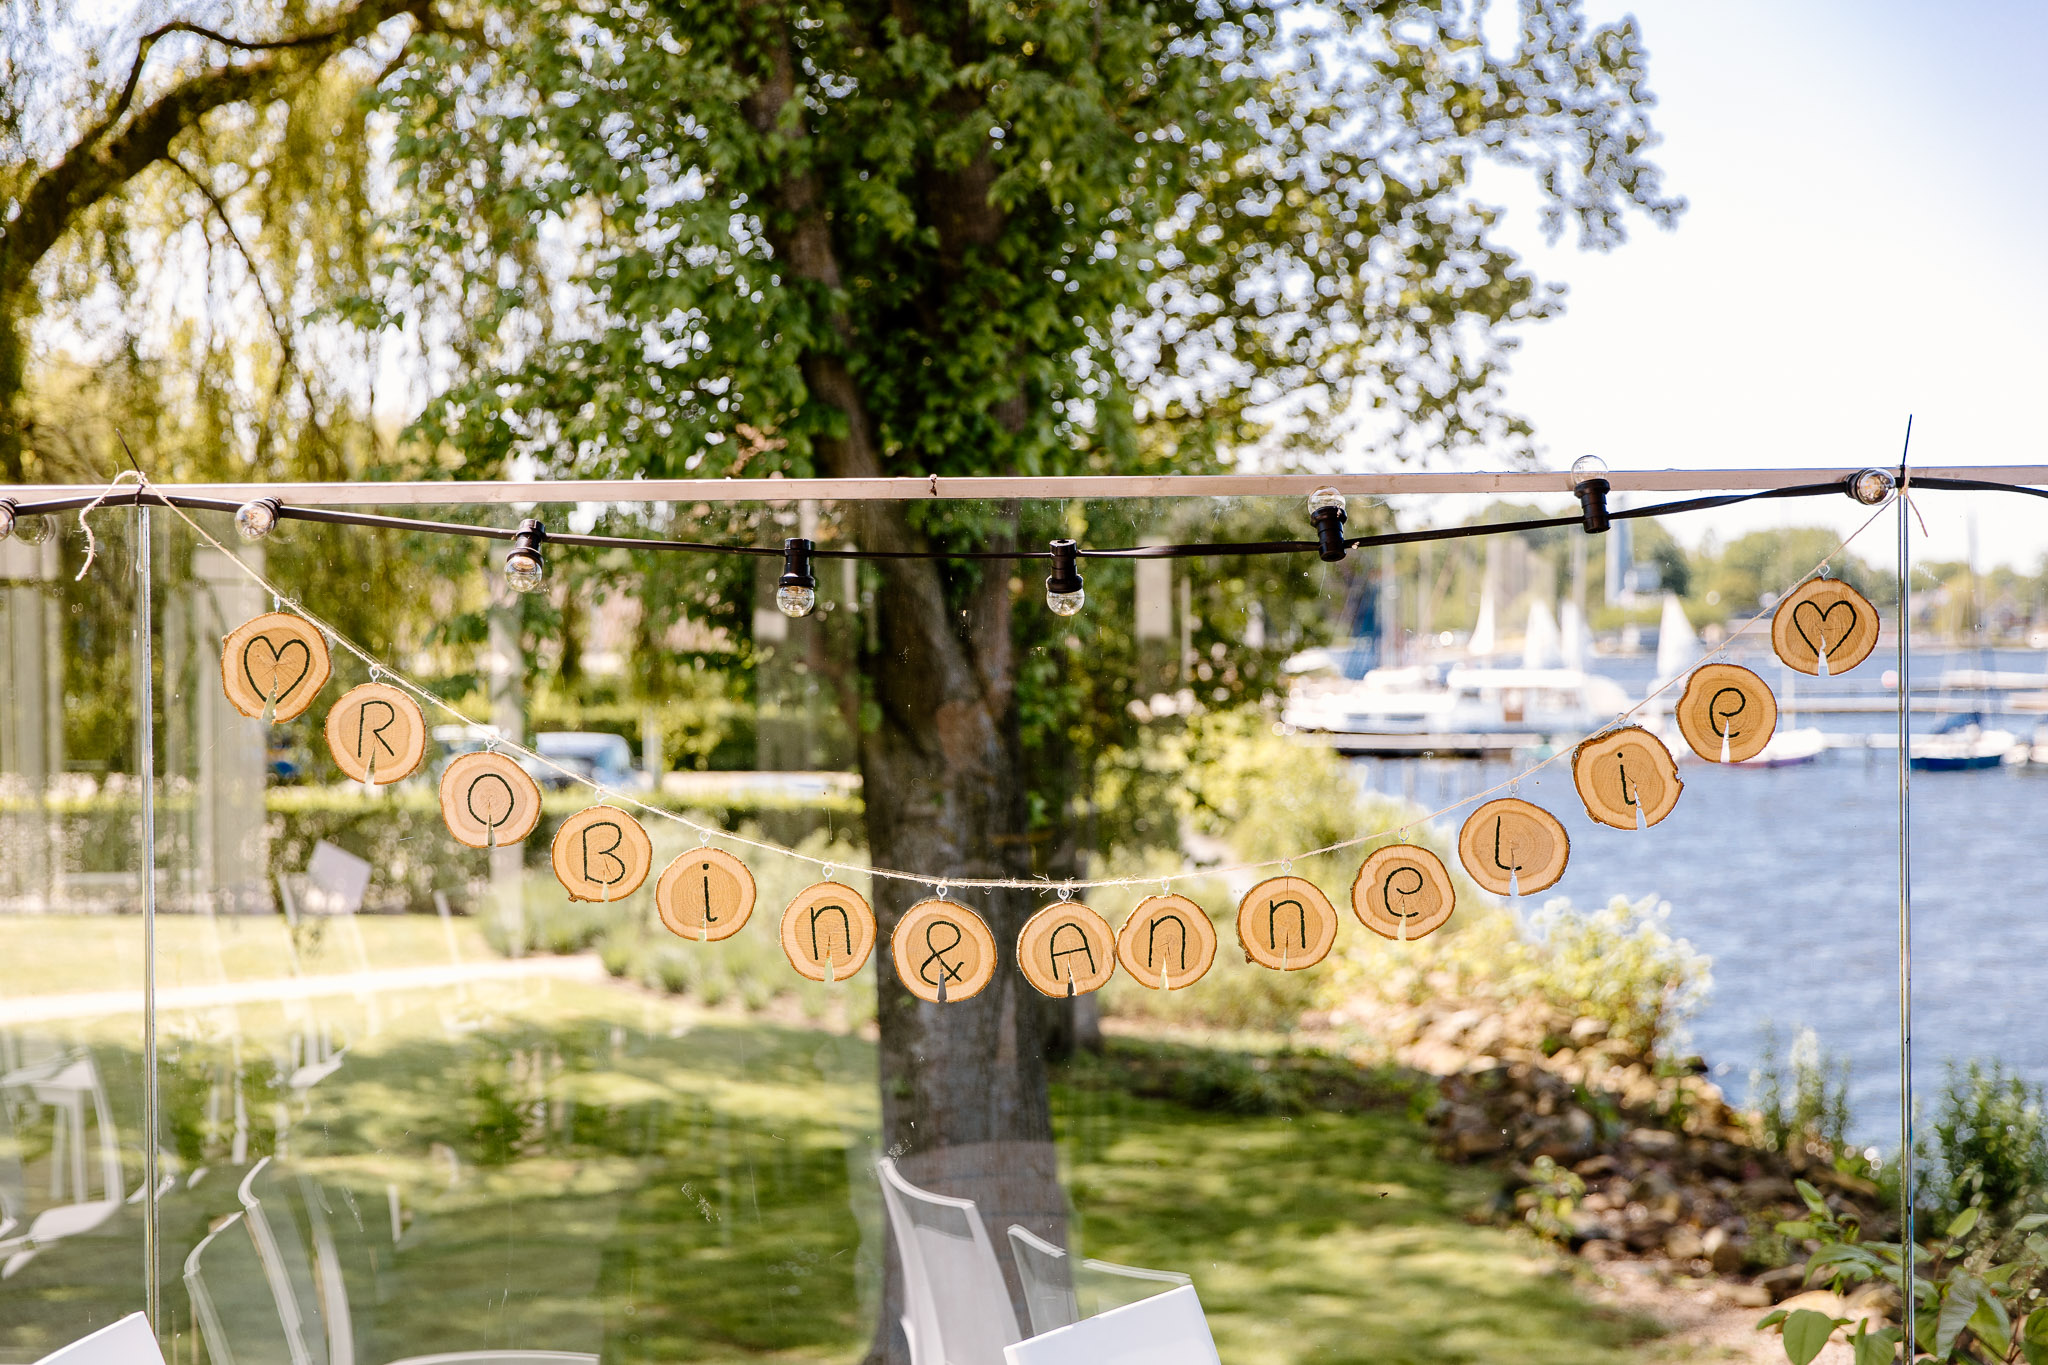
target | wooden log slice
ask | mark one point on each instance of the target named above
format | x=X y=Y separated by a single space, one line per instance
x=377 y=734
x=707 y=894
x=1623 y=772
x=1824 y=614
x=1726 y=700
x=487 y=800
x=1403 y=892
x=276 y=661
x=828 y=932
x=1510 y=846
x=944 y=952
x=1066 y=949
x=1167 y=943
x=1286 y=923
x=601 y=854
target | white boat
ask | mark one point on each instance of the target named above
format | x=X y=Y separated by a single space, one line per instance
x=1463 y=700
x=1788 y=748
x=1962 y=743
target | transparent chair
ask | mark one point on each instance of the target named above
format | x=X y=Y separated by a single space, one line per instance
x=85 y=1178
x=1165 y=1329
x=240 y=1318
x=127 y=1342
x=958 y=1309
x=1057 y=1296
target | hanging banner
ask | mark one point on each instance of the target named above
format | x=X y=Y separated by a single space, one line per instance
x=488 y=801
x=1167 y=943
x=1824 y=627
x=601 y=854
x=1066 y=949
x=376 y=734
x=707 y=894
x=944 y=953
x=1513 y=848
x=1626 y=777
x=1403 y=892
x=1286 y=923
x=274 y=665
x=828 y=932
x=1727 y=714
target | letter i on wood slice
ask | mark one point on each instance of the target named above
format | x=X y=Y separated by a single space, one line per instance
x=707 y=894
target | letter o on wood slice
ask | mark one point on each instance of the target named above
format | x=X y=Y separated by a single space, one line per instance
x=1066 y=949
x=487 y=800
x=1167 y=943
x=828 y=932
x=1824 y=614
x=1623 y=772
x=707 y=894
x=944 y=953
x=1727 y=700
x=601 y=854
x=376 y=734
x=1403 y=892
x=1510 y=846
x=1286 y=923
x=278 y=661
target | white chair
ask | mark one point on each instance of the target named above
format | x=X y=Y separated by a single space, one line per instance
x=1057 y=1296
x=127 y=1342
x=957 y=1305
x=1166 y=1329
x=68 y=1084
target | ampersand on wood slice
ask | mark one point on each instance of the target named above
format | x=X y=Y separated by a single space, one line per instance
x=707 y=894
x=1511 y=847
x=1403 y=892
x=1286 y=923
x=1626 y=777
x=1727 y=713
x=376 y=734
x=1167 y=943
x=488 y=801
x=601 y=854
x=944 y=953
x=1824 y=619
x=828 y=932
x=1066 y=949
x=275 y=664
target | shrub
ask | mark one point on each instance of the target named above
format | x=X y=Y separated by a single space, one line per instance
x=1990 y=1146
x=1808 y=1108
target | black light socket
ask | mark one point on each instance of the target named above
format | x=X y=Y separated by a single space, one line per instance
x=1592 y=496
x=796 y=564
x=1329 y=523
x=1066 y=572
x=526 y=562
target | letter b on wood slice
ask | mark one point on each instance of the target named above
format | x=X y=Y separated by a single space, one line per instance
x=601 y=854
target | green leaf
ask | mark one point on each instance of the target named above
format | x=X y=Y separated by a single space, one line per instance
x=1874 y=1349
x=1773 y=1318
x=2034 y=1337
x=1805 y=1333
x=2030 y=1222
x=1957 y=1306
x=1812 y=1197
x=1992 y=1326
x=1799 y=1229
x=1961 y=1224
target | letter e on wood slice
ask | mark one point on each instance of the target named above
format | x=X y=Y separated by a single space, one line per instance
x=1403 y=892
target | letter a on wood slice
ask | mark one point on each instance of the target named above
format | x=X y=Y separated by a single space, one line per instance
x=1727 y=713
x=828 y=932
x=1511 y=847
x=1066 y=949
x=1286 y=923
x=707 y=894
x=944 y=953
x=276 y=663
x=1824 y=616
x=488 y=801
x=376 y=734
x=1167 y=943
x=1624 y=774
x=1403 y=892
x=601 y=854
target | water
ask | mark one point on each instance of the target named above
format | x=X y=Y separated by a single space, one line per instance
x=1788 y=879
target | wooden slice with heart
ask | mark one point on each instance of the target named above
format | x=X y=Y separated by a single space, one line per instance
x=1066 y=949
x=1167 y=943
x=1727 y=713
x=488 y=801
x=1286 y=923
x=1626 y=777
x=944 y=952
x=1824 y=627
x=1403 y=892
x=601 y=854
x=707 y=894
x=828 y=932
x=376 y=734
x=1511 y=847
x=276 y=663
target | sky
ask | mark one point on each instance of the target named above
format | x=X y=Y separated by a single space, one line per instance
x=1868 y=190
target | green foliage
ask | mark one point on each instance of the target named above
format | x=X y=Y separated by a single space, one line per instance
x=1807 y=1109
x=1990 y=1143
x=1554 y=1192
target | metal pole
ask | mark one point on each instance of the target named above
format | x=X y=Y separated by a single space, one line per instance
x=1906 y=1193
x=145 y=687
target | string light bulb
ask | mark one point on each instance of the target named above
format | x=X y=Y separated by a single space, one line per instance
x=1063 y=590
x=797 y=593
x=7 y=506
x=526 y=567
x=1870 y=487
x=1589 y=486
x=257 y=518
x=1326 y=514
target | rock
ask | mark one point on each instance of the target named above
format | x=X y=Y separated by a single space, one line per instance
x=1598 y=1164
x=1603 y=1250
x=1747 y=1295
x=1722 y=1251
x=1683 y=1243
x=1653 y=1141
x=1589 y=1226
x=1782 y=1282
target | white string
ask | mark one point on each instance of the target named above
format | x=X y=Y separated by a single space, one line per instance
x=92 y=544
x=399 y=679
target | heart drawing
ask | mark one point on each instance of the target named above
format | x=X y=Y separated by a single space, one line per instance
x=267 y=676
x=1824 y=645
